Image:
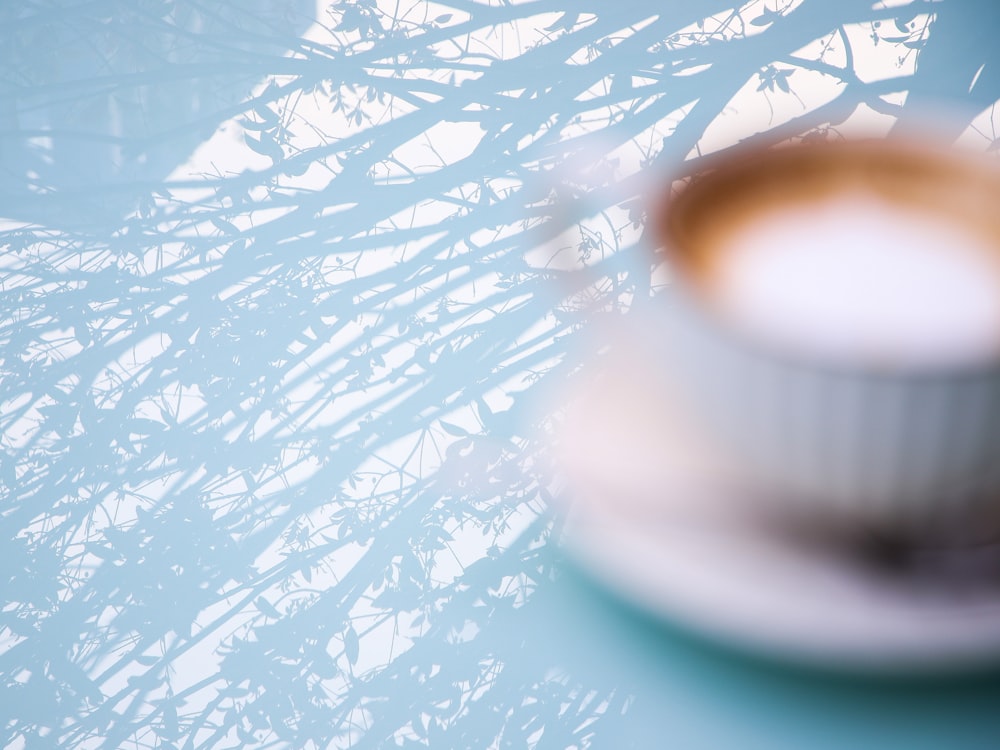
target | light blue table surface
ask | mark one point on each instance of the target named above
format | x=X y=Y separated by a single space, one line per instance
x=281 y=283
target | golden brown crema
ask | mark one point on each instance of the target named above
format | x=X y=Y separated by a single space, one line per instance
x=870 y=250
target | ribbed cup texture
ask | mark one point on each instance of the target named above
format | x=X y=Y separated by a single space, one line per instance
x=895 y=452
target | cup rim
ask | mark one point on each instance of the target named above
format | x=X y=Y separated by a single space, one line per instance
x=719 y=172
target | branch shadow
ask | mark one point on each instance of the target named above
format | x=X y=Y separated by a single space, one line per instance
x=266 y=469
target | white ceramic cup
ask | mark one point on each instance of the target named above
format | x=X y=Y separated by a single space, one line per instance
x=880 y=438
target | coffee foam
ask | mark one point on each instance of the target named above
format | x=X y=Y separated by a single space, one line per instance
x=853 y=276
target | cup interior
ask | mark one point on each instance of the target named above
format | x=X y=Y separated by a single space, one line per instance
x=708 y=213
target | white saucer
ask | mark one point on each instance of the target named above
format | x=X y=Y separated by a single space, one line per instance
x=655 y=516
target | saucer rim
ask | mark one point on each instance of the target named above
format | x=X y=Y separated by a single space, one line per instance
x=946 y=656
